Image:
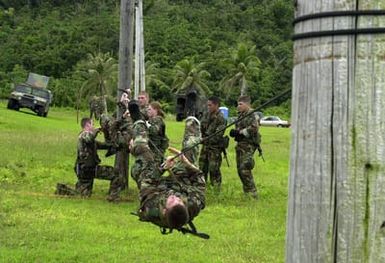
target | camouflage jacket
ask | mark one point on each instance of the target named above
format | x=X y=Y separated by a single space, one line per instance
x=143 y=111
x=87 y=149
x=249 y=127
x=140 y=149
x=189 y=186
x=157 y=134
x=210 y=124
x=191 y=137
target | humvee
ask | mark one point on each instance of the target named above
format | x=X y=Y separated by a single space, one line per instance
x=32 y=95
x=190 y=103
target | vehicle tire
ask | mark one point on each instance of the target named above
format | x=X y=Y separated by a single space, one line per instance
x=45 y=114
x=10 y=105
x=40 y=111
x=279 y=126
x=13 y=104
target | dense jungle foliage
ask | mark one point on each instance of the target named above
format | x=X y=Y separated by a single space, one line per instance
x=231 y=41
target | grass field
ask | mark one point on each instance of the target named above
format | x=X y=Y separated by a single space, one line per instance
x=37 y=226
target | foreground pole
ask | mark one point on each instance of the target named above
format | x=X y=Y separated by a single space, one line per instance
x=337 y=169
x=125 y=74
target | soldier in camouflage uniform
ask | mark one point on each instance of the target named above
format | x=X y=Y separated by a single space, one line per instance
x=88 y=166
x=172 y=201
x=117 y=133
x=246 y=134
x=192 y=136
x=175 y=200
x=157 y=132
x=144 y=99
x=210 y=158
x=144 y=157
x=97 y=107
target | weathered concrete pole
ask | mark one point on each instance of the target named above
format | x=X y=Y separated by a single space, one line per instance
x=337 y=169
x=125 y=72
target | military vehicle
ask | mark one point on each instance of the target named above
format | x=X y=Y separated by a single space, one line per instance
x=33 y=95
x=190 y=103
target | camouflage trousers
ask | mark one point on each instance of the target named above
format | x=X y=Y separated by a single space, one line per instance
x=245 y=164
x=86 y=176
x=210 y=161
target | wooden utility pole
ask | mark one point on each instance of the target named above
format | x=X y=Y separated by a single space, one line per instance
x=125 y=73
x=337 y=169
x=139 y=49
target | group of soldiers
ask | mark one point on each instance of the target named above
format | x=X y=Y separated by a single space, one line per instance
x=168 y=201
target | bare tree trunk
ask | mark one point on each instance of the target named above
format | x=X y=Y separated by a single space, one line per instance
x=103 y=97
x=337 y=173
x=125 y=74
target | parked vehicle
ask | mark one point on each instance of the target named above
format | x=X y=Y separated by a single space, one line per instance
x=190 y=103
x=274 y=121
x=32 y=95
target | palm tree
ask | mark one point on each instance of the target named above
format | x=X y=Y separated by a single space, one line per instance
x=153 y=74
x=188 y=75
x=100 y=74
x=243 y=65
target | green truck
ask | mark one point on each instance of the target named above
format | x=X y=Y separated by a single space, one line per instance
x=33 y=94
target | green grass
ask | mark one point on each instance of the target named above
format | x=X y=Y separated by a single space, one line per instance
x=37 y=226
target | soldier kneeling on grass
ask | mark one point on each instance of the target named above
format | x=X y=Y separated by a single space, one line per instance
x=87 y=166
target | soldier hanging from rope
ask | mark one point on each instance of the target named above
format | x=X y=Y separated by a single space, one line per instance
x=173 y=201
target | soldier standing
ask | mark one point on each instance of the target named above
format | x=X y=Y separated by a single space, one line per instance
x=210 y=158
x=97 y=107
x=88 y=166
x=144 y=99
x=246 y=134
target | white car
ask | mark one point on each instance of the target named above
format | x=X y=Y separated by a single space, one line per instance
x=274 y=121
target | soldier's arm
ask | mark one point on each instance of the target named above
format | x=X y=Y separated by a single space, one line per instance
x=252 y=127
x=155 y=125
x=219 y=130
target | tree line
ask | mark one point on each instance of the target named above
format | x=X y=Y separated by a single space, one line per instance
x=219 y=46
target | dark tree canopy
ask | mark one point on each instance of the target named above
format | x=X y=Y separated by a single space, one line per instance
x=51 y=37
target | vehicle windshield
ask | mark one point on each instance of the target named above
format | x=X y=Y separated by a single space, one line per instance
x=41 y=93
x=23 y=89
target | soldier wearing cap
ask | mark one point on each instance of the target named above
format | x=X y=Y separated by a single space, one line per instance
x=246 y=134
x=212 y=126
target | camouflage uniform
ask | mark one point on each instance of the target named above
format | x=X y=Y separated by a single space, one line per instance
x=143 y=111
x=186 y=182
x=87 y=166
x=97 y=107
x=245 y=148
x=144 y=157
x=117 y=133
x=189 y=186
x=192 y=136
x=158 y=138
x=210 y=158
